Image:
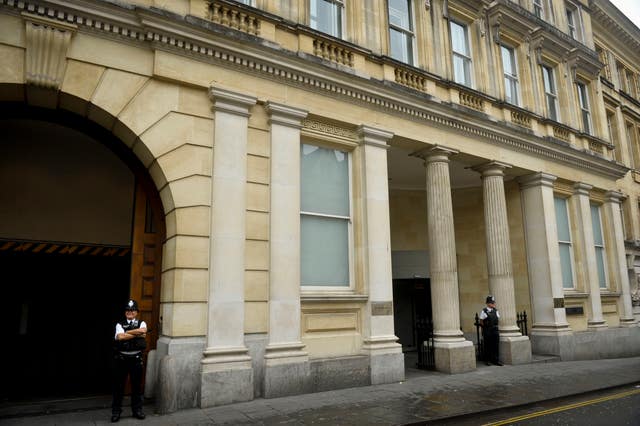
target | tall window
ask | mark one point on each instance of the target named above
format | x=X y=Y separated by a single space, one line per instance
x=461 y=53
x=598 y=241
x=583 y=98
x=550 y=92
x=509 y=69
x=564 y=241
x=247 y=2
x=401 y=30
x=613 y=134
x=631 y=84
x=571 y=23
x=325 y=217
x=538 y=8
x=326 y=16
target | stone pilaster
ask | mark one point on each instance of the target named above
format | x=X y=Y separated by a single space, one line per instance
x=613 y=216
x=515 y=348
x=380 y=342
x=590 y=269
x=227 y=375
x=286 y=363
x=543 y=261
x=453 y=353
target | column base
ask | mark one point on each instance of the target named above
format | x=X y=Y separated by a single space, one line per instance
x=386 y=360
x=455 y=358
x=286 y=371
x=596 y=325
x=515 y=350
x=549 y=342
x=628 y=322
x=226 y=377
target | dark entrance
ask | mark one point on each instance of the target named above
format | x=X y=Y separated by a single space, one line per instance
x=411 y=305
x=81 y=230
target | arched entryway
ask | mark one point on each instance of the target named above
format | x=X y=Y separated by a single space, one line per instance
x=81 y=230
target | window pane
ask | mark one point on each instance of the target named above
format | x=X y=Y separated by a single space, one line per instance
x=326 y=17
x=401 y=47
x=399 y=13
x=551 y=106
x=565 y=264
x=507 y=60
x=600 y=265
x=459 y=39
x=459 y=70
x=562 y=219
x=324 y=181
x=324 y=251
x=595 y=223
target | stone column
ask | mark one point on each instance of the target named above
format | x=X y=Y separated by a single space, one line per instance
x=380 y=342
x=286 y=364
x=453 y=353
x=550 y=329
x=612 y=214
x=590 y=269
x=514 y=347
x=227 y=375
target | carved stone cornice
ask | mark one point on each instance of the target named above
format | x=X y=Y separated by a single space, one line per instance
x=47 y=41
x=205 y=41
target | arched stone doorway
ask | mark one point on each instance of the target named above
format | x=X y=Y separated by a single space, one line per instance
x=82 y=228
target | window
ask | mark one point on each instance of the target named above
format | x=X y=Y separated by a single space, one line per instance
x=613 y=134
x=621 y=77
x=543 y=10
x=630 y=83
x=550 y=92
x=599 y=244
x=631 y=145
x=583 y=98
x=538 y=9
x=247 y=2
x=564 y=242
x=573 y=22
x=325 y=217
x=509 y=69
x=461 y=53
x=326 y=16
x=401 y=30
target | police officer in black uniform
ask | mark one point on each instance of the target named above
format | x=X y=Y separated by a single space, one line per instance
x=490 y=318
x=129 y=345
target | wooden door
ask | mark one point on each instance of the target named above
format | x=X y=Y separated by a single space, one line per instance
x=146 y=257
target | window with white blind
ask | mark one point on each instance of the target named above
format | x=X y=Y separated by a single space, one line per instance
x=327 y=16
x=401 y=31
x=461 y=53
x=325 y=217
x=550 y=92
x=510 y=72
x=564 y=242
x=598 y=242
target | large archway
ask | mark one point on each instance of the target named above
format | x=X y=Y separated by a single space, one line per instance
x=81 y=229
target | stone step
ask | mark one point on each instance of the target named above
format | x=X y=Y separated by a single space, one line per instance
x=541 y=358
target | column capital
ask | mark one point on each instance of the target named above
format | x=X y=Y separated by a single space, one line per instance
x=231 y=102
x=435 y=154
x=581 y=188
x=614 y=197
x=285 y=115
x=491 y=168
x=537 y=179
x=373 y=136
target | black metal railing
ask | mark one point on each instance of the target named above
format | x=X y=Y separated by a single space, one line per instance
x=521 y=321
x=426 y=350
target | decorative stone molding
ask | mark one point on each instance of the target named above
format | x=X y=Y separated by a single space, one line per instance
x=313 y=127
x=47 y=41
x=470 y=100
x=411 y=79
x=596 y=147
x=561 y=133
x=520 y=118
x=332 y=52
x=233 y=17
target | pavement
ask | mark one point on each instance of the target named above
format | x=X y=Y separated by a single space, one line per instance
x=423 y=396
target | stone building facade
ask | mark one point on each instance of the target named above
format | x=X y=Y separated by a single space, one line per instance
x=295 y=180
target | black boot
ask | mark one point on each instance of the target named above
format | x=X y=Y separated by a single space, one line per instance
x=138 y=414
x=115 y=417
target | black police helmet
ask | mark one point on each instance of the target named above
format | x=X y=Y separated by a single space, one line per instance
x=132 y=305
x=490 y=299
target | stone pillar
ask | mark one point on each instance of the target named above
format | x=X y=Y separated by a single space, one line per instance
x=380 y=342
x=453 y=353
x=286 y=364
x=612 y=214
x=590 y=269
x=514 y=347
x=227 y=375
x=550 y=328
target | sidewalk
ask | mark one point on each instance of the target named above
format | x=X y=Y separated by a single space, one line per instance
x=423 y=396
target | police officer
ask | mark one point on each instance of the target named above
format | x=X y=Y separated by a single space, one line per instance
x=129 y=345
x=490 y=318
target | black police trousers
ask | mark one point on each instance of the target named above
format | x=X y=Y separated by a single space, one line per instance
x=127 y=365
x=491 y=346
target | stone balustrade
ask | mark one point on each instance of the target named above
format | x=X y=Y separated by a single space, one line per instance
x=411 y=79
x=332 y=52
x=561 y=133
x=234 y=18
x=520 y=118
x=470 y=100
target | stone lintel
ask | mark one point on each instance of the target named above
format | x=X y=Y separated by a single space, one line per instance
x=581 y=188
